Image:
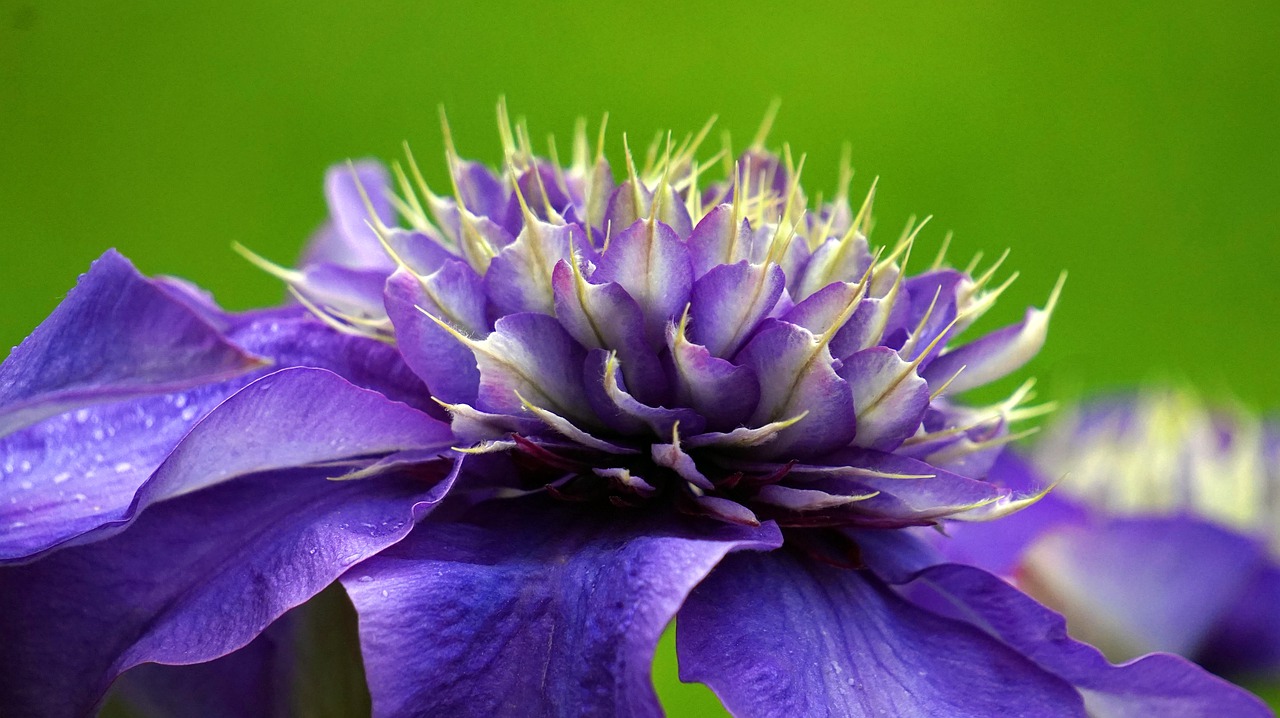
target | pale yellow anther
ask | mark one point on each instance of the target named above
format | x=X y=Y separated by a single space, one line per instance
x=942 y=252
x=766 y=124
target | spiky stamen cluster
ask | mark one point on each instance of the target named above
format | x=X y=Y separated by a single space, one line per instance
x=729 y=347
x=1169 y=452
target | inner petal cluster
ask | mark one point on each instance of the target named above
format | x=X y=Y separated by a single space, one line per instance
x=728 y=349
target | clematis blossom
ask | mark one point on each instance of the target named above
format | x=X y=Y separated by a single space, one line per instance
x=1164 y=535
x=525 y=425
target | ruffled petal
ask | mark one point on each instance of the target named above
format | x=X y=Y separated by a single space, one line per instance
x=195 y=578
x=294 y=417
x=1156 y=685
x=530 y=609
x=117 y=335
x=779 y=635
x=306 y=663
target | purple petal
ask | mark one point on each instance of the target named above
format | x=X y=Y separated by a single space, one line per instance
x=604 y=316
x=994 y=355
x=294 y=417
x=306 y=663
x=779 y=635
x=835 y=261
x=1157 y=685
x=717 y=241
x=251 y=682
x=1246 y=642
x=1133 y=586
x=454 y=294
x=530 y=357
x=297 y=339
x=997 y=546
x=725 y=394
x=193 y=579
x=890 y=398
x=729 y=301
x=519 y=277
x=348 y=240
x=901 y=501
x=75 y=472
x=530 y=609
x=117 y=335
x=795 y=375
x=921 y=289
x=652 y=264
x=355 y=292
x=625 y=413
x=625 y=209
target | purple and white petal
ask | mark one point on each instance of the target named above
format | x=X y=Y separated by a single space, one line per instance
x=890 y=398
x=795 y=375
x=649 y=261
x=729 y=301
x=453 y=294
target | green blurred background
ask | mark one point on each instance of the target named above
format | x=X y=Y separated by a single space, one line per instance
x=1135 y=146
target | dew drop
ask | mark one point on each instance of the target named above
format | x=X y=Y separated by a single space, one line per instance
x=180 y=400
x=366 y=579
x=27 y=485
x=82 y=416
x=189 y=413
x=123 y=466
x=62 y=477
x=385 y=593
x=348 y=560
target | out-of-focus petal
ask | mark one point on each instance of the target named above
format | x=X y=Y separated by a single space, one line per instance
x=530 y=609
x=347 y=239
x=1135 y=585
x=1246 y=641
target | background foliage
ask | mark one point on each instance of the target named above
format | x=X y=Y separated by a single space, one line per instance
x=1134 y=145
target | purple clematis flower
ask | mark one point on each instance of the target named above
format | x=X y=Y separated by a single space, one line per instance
x=526 y=431
x=1165 y=535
